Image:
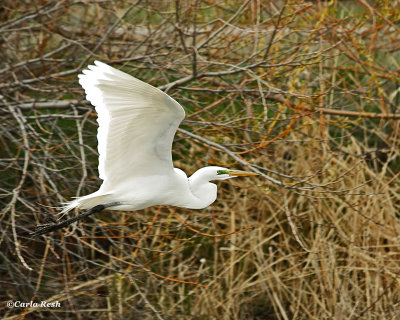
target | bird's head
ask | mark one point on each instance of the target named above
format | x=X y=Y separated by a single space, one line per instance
x=219 y=173
x=205 y=191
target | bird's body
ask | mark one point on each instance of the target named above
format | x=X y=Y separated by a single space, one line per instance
x=137 y=125
x=174 y=189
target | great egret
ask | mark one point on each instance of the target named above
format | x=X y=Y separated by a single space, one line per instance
x=137 y=124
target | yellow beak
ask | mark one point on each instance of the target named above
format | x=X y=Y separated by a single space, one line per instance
x=239 y=173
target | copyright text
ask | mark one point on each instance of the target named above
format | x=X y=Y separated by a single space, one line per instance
x=32 y=304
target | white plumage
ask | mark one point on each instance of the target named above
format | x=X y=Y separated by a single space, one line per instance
x=137 y=124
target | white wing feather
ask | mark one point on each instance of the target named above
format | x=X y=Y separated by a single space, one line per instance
x=137 y=124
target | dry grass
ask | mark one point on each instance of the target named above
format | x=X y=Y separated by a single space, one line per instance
x=306 y=93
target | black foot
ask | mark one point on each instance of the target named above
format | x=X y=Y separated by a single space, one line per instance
x=46 y=228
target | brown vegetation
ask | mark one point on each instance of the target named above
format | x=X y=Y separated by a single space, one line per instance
x=306 y=93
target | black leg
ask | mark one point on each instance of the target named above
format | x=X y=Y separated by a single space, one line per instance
x=53 y=227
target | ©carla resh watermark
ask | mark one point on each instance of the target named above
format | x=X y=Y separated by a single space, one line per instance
x=31 y=304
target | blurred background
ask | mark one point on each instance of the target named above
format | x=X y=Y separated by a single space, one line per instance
x=307 y=92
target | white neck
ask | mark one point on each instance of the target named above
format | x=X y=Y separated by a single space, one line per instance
x=202 y=189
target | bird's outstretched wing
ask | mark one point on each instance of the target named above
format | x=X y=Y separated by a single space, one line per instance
x=137 y=124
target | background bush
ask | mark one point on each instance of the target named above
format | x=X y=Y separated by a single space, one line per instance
x=307 y=93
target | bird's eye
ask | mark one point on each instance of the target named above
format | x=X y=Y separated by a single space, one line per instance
x=219 y=172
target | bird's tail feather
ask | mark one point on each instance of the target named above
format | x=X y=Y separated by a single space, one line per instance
x=86 y=202
x=68 y=206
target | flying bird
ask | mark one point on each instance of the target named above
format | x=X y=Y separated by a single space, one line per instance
x=137 y=125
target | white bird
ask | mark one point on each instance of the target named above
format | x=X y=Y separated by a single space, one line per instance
x=137 y=124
